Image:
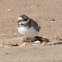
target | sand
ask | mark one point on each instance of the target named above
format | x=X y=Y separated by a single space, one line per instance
x=47 y=13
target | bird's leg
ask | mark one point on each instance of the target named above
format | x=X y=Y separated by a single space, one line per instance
x=44 y=43
x=30 y=41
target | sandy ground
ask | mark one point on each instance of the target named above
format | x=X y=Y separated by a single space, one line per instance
x=42 y=11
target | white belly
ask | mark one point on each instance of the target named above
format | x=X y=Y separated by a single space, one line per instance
x=31 y=32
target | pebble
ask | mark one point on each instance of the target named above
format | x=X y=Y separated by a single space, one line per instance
x=59 y=38
x=25 y=44
x=37 y=42
x=50 y=19
x=9 y=9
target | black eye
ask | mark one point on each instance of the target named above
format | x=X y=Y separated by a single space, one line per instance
x=25 y=19
x=19 y=21
x=21 y=24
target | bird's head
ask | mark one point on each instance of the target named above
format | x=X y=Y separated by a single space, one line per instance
x=22 y=19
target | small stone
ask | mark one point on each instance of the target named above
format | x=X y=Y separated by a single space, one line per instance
x=5 y=46
x=14 y=45
x=9 y=9
x=37 y=42
x=59 y=38
x=24 y=44
x=7 y=53
x=50 y=19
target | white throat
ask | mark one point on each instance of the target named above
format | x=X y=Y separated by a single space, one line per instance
x=20 y=18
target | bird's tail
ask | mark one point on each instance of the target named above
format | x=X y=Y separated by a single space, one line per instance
x=39 y=28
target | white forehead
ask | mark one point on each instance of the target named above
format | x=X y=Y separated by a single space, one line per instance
x=20 y=18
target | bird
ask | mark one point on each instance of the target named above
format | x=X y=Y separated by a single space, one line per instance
x=28 y=27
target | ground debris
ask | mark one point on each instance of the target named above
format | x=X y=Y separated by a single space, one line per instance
x=50 y=19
